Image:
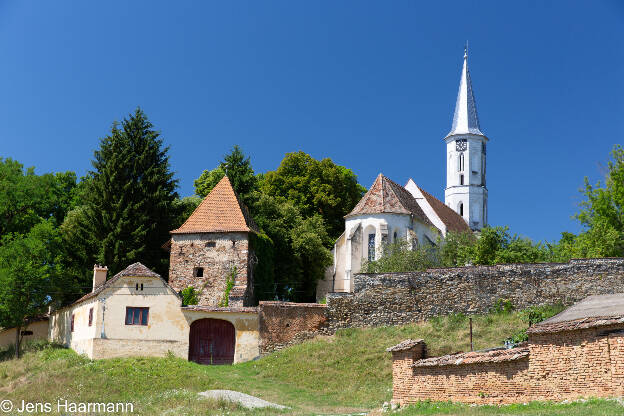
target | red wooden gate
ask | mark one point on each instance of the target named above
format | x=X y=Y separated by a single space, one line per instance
x=211 y=341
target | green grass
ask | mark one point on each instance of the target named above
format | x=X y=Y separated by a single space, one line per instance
x=578 y=408
x=349 y=372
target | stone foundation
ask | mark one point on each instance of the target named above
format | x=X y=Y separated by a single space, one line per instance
x=123 y=348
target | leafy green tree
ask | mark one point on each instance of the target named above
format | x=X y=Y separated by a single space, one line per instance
x=27 y=198
x=602 y=213
x=130 y=202
x=185 y=207
x=238 y=168
x=299 y=245
x=493 y=246
x=29 y=276
x=79 y=251
x=315 y=188
x=208 y=180
x=456 y=249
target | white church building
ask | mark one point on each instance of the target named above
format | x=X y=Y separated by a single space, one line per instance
x=389 y=212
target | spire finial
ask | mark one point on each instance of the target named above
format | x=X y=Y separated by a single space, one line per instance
x=466 y=50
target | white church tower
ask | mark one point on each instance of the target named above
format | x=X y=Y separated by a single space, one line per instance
x=466 y=192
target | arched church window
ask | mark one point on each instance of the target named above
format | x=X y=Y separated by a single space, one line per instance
x=461 y=179
x=394 y=237
x=461 y=209
x=371 y=247
x=460 y=164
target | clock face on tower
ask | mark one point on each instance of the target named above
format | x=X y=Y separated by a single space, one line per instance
x=461 y=145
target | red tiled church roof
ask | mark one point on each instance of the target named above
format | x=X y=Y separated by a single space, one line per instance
x=386 y=196
x=220 y=211
x=452 y=220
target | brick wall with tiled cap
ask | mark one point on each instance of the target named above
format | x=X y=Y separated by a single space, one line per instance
x=564 y=360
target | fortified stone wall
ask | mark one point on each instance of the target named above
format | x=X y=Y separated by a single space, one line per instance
x=217 y=254
x=285 y=323
x=399 y=298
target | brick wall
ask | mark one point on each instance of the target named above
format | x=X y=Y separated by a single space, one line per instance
x=559 y=366
x=399 y=298
x=217 y=254
x=574 y=363
x=284 y=323
x=484 y=383
x=402 y=372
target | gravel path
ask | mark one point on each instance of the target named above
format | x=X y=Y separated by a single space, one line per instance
x=245 y=400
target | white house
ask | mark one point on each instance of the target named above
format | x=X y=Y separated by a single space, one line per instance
x=136 y=313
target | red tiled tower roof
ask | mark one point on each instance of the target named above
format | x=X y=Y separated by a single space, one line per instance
x=220 y=211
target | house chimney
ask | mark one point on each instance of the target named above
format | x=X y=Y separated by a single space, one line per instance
x=99 y=275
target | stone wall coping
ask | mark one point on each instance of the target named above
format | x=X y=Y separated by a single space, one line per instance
x=576 y=324
x=496 y=266
x=227 y=309
x=475 y=357
x=339 y=294
x=406 y=345
x=291 y=304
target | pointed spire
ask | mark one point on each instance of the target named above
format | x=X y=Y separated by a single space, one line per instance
x=465 y=119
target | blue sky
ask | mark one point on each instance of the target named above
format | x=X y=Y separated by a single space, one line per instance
x=371 y=85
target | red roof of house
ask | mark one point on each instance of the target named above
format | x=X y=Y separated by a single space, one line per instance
x=134 y=270
x=220 y=211
x=386 y=196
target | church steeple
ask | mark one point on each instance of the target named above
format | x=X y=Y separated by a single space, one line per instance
x=465 y=119
x=466 y=192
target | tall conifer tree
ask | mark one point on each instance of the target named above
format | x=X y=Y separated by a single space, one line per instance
x=131 y=197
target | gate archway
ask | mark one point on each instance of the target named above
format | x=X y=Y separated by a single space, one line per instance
x=212 y=341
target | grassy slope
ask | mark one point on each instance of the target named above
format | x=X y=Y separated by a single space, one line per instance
x=348 y=372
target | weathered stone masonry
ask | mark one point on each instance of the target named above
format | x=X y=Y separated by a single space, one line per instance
x=218 y=254
x=399 y=298
x=285 y=323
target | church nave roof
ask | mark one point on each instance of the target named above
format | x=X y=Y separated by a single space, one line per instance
x=388 y=197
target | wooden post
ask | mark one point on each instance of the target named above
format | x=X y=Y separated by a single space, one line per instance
x=471 y=348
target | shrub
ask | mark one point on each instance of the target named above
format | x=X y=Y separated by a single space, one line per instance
x=532 y=316
x=231 y=279
x=189 y=296
x=503 y=306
